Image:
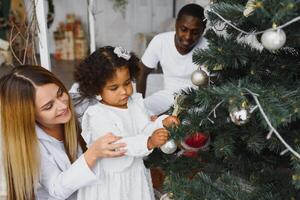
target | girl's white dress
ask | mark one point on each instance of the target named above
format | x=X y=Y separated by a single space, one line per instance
x=123 y=178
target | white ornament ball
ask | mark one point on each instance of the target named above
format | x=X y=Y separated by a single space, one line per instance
x=239 y=117
x=199 y=77
x=273 y=39
x=169 y=148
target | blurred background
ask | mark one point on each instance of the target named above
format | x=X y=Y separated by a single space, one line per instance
x=128 y=23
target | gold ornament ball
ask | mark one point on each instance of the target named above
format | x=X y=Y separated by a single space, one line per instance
x=273 y=39
x=199 y=78
x=169 y=148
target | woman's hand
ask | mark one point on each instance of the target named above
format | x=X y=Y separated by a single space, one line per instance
x=104 y=147
x=171 y=121
x=158 y=138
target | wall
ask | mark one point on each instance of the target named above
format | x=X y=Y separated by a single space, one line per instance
x=181 y=3
x=143 y=16
x=112 y=28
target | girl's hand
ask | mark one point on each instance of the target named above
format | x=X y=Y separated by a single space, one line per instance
x=171 y=121
x=158 y=138
x=104 y=147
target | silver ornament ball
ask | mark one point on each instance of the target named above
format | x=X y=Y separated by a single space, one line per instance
x=273 y=39
x=239 y=116
x=169 y=148
x=199 y=77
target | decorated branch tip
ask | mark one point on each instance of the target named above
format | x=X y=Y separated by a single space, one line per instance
x=272 y=129
x=170 y=146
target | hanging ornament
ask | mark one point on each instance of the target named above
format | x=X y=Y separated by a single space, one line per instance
x=190 y=154
x=200 y=77
x=249 y=8
x=167 y=196
x=177 y=104
x=195 y=142
x=169 y=147
x=239 y=116
x=273 y=39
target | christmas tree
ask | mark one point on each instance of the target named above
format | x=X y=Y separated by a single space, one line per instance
x=239 y=136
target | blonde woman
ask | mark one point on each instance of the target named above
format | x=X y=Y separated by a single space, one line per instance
x=42 y=151
x=2 y=180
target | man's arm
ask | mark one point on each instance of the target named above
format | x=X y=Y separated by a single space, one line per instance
x=142 y=78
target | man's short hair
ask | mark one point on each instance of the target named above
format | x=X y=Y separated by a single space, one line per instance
x=193 y=9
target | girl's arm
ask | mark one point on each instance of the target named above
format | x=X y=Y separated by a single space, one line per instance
x=142 y=117
x=96 y=122
x=150 y=126
x=137 y=146
x=104 y=147
x=142 y=145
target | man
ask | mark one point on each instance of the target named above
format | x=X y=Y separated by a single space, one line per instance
x=173 y=50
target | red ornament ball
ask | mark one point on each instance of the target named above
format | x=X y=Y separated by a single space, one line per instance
x=195 y=141
x=190 y=154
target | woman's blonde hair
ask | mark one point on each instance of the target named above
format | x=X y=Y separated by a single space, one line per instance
x=20 y=147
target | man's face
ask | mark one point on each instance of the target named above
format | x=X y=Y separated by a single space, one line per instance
x=189 y=29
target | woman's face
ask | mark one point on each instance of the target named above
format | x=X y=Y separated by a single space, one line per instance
x=118 y=89
x=51 y=106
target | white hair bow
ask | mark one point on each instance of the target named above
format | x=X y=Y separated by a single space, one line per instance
x=122 y=53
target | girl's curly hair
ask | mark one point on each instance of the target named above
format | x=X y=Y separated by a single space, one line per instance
x=95 y=70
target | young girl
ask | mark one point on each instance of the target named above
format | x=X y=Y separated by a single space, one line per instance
x=107 y=74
